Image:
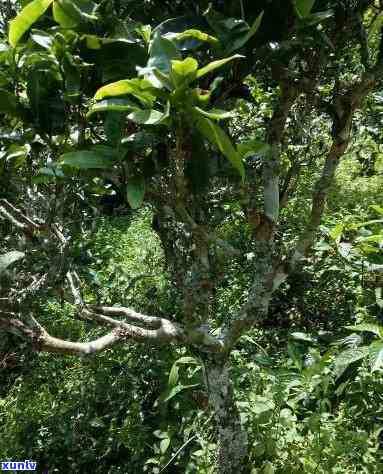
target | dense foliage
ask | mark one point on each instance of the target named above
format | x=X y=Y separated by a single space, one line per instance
x=176 y=158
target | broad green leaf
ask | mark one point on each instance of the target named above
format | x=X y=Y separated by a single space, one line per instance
x=135 y=191
x=86 y=159
x=337 y=231
x=139 y=140
x=161 y=52
x=379 y=298
x=7 y=259
x=218 y=138
x=241 y=41
x=113 y=105
x=9 y=104
x=64 y=19
x=178 y=389
x=376 y=355
x=18 y=154
x=70 y=13
x=171 y=28
x=302 y=336
x=183 y=72
x=216 y=64
x=347 y=357
x=25 y=19
x=173 y=375
x=42 y=38
x=187 y=360
x=377 y=239
x=375 y=207
x=366 y=327
x=114 y=127
x=136 y=87
x=303 y=7
x=253 y=147
x=261 y=404
x=198 y=35
x=164 y=445
x=149 y=116
x=214 y=114
x=315 y=19
x=47 y=175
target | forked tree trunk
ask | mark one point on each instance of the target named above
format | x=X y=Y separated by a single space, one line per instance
x=232 y=438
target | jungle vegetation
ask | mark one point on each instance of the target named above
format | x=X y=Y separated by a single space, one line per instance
x=191 y=209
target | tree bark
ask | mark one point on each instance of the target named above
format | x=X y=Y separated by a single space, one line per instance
x=232 y=438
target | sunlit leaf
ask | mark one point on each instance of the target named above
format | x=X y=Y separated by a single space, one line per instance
x=135 y=191
x=218 y=138
x=26 y=18
x=198 y=35
x=214 y=114
x=183 y=72
x=86 y=159
x=216 y=64
x=366 y=327
x=139 y=88
x=303 y=7
x=149 y=116
x=376 y=355
x=9 y=258
x=112 y=105
x=253 y=147
x=242 y=40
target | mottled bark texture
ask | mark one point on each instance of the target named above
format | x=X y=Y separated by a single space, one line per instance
x=232 y=437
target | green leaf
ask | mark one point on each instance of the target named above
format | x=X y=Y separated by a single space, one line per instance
x=347 y=357
x=216 y=64
x=172 y=27
x=366 y=327
x=86 y=159
x=187 y=360
x=136 y=87
x=9 y=258
x=161 y=52
x=69 y=13
x=261 y=404
x=301 y=336
x=253 y=147
x=198 y=35
x=18 y=154
x=164 y=445
x=376 y=355
x=378 y=297
x=218 y=137
x=48 y=175
x=173 y=375
x=303 y=7
x=315 y=18
x=375 y=207
x=183 y=72
x=176 y=390
x=337 y=232
x=9 y=104
x=214 y=114
x=25 y=19
x=149 y=116
x=242 y=40
x=113 y=105
x=135 y=191
x=42 y=38
x=114 y=127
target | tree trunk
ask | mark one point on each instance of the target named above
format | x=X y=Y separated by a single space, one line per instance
x=232 y=439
